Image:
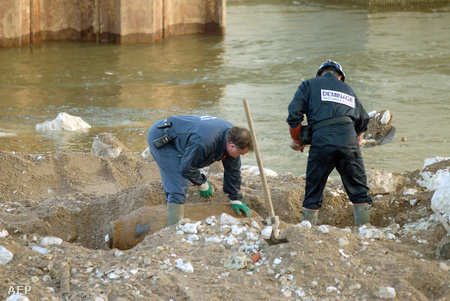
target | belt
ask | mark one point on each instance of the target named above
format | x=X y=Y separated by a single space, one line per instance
x=331 y=120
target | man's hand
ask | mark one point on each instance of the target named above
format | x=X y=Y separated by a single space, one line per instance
x=206 y=190
x=238 y=207
x=297 y=145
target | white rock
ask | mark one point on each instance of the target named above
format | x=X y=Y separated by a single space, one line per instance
x=63 y=122
x=251 y=236
x=331 y=289
x=5 y=255
x=432 y=181
x=231 y=240
x=441 y=197
x=17 y=297
x=236 y=230
x=386 y=292
x=185 y=267
x=430 y=161
x=265 y=233
x=343 y=241
x=252 y=171
x=40 y=249
x=382 y=182
x=306 y=224
x=50 y=240
x=444 y=266
x=324 y=229
x=190 y=228
x=3 y=134
x=236 y=261
x=4 y=233
x=386 y=117
x=227 y=219
x=212 y=239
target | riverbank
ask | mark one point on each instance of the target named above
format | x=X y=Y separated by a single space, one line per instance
x=56 y=209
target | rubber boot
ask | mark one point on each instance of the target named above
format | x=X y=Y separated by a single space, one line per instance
x=361 y=213
x=175 y=213
x=311 y=215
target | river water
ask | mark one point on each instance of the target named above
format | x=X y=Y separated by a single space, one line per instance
x=396 y=59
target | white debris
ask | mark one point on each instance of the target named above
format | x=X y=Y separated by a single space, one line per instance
x=252 y=171
x=430 y=161
x=386 y=292
x=343 y=254
x=371 y=233
x=236 y=230
x=343 y=241
x=331 y=289
x=324 y=229
x=40 y=249
x=63 y=122
x=231 y=240
x=431 y=181
x=236 y=261
x=277 y=261
x=265 y=233
x=444 y=266
x=5 y=255
x=213 y=239
x=190 y=228
x=386 y=117
x=50 y=240
x=105 y=145
x=17 y=297
x=3 y=134
x=441 y=197
x=211 y=220
x=410 y=191
x=185 y=267
x=227 y=219
x=4 y=233
x=306 y=224
x=193 y=237
x=251 y=236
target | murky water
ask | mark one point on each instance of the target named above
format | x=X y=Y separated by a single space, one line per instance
x=396 y=60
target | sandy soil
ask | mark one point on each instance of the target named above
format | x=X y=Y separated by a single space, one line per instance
x=76 y=196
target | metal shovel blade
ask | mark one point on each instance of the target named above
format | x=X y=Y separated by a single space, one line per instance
x=388 y=137
x=275 y=241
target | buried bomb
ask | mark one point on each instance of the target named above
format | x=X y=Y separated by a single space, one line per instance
x=131 y=229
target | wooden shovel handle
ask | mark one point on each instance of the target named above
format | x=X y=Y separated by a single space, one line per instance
x=440 y=218
x=258 y=158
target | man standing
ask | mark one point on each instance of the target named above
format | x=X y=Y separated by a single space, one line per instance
x=181 y=145
x=338 y=119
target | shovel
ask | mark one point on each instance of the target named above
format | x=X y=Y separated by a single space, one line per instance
x=381 y=141
x=273 y=220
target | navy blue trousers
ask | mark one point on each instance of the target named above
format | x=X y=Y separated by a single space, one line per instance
x=169 y=161
x=335 y=146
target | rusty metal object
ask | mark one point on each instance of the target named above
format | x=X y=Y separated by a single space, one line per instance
x=131 y=229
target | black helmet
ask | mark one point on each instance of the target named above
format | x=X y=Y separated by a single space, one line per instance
x=333 y=64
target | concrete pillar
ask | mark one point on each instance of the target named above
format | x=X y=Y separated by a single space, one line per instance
x=111 y=21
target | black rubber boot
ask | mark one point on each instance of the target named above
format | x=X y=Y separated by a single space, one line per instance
x=311 y=215
x=361 y=213
x=175 y=213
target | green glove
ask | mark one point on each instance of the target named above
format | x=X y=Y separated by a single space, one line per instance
x=238 y=207
x=206 y=190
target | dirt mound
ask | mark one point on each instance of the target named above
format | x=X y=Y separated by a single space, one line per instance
x=75 y=197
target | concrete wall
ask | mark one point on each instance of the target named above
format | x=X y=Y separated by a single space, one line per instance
x=111 y=21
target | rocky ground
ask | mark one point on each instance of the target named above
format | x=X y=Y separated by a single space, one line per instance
x=56 y=213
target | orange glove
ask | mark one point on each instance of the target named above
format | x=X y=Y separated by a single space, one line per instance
x=297 y=143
